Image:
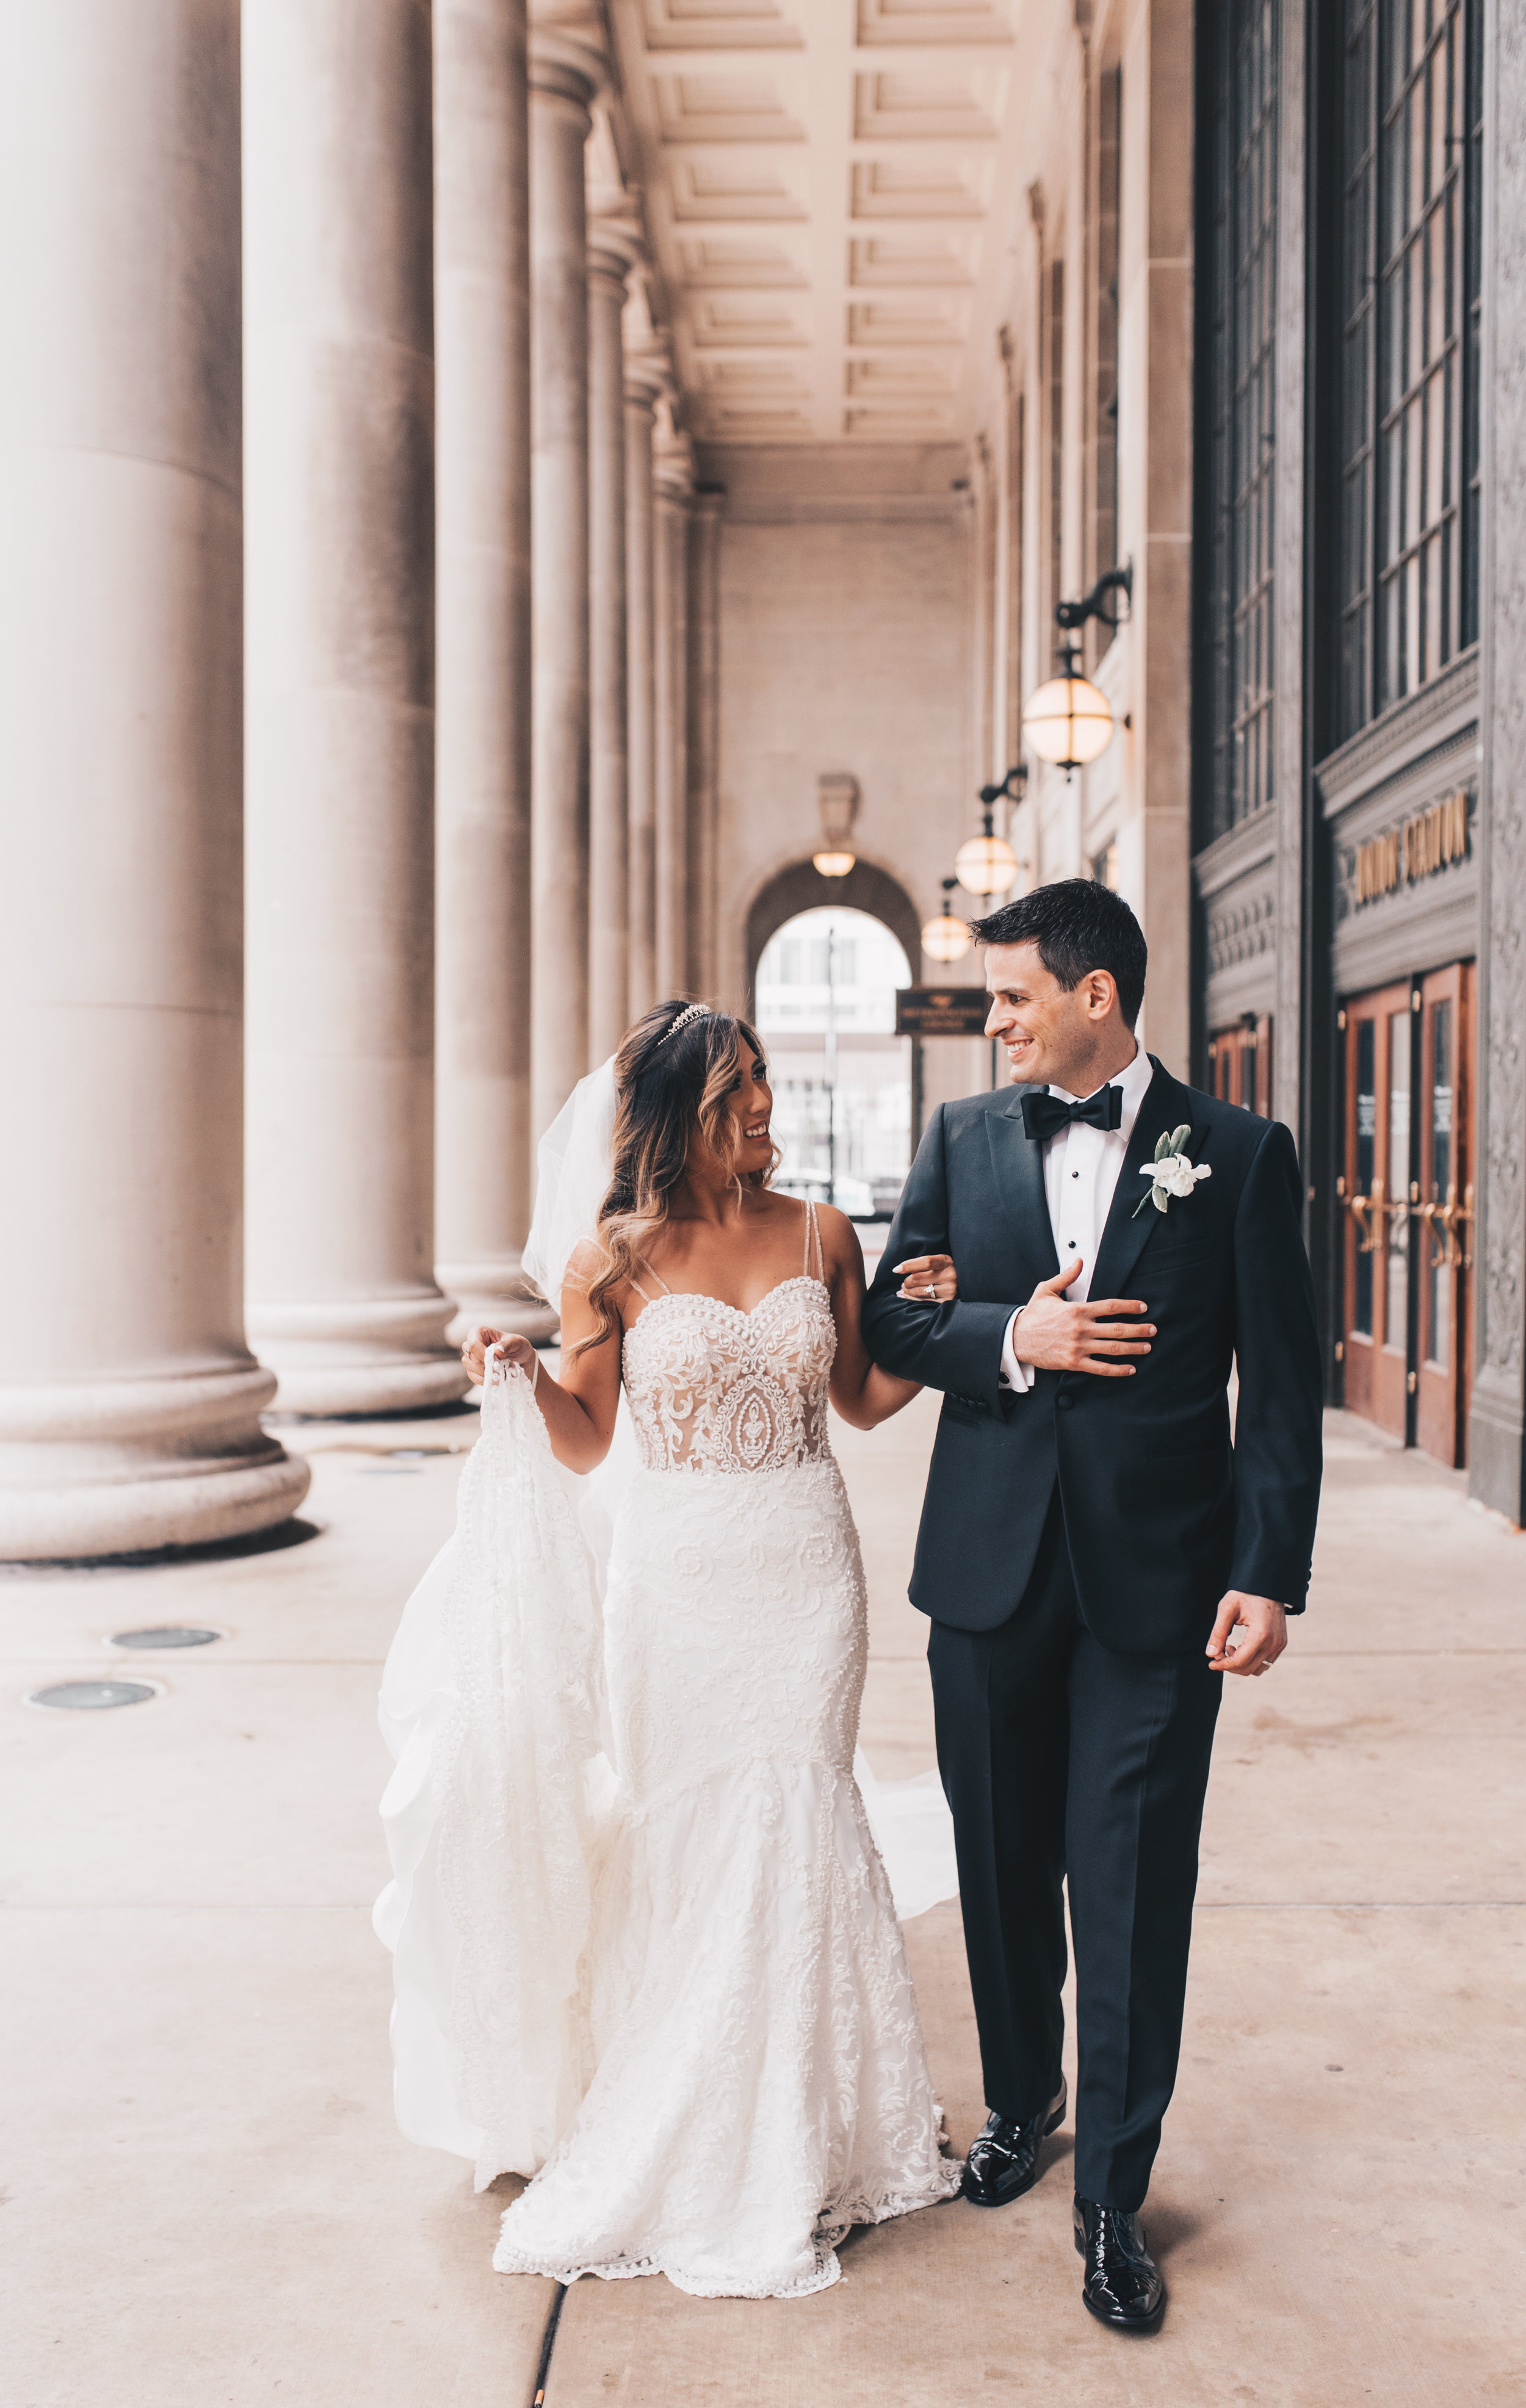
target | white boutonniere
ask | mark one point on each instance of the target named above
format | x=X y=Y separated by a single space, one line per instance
x=1171 y=1174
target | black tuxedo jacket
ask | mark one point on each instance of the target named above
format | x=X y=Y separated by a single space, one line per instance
x=1161 y=1515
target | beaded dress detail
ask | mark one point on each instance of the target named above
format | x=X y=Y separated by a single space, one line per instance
x=756 y=2081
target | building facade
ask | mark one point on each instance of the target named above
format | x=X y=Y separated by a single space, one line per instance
x=596 y=457
x=1358 y=867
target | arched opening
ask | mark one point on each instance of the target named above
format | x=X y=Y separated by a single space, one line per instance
x=802 y=888
x=843 y=1081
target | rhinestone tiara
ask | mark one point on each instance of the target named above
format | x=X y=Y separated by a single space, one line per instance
x=691 y=1011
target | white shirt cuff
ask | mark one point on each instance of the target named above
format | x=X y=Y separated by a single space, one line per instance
x=1017 y=1376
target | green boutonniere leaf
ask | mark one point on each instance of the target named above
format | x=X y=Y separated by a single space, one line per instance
x=1179 y=1138
x=1162 y=1146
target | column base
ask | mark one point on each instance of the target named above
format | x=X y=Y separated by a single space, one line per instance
x=381 y=1354
x=124 y=1466
x=495 y=1290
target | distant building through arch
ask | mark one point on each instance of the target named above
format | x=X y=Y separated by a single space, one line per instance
x=826 y=956
x=802 y=888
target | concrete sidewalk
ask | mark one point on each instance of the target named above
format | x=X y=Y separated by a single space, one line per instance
x=207 y=2202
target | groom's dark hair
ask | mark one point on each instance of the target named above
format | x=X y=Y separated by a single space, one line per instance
x=1077 y=925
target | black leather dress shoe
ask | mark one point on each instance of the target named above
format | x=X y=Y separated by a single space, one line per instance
x=1004 y=2161
x=1122 y=2286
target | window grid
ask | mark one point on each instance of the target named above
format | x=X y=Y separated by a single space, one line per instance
x=1109 y=198
x=1056 y=335
x=1409 y=528
x=1241 y=412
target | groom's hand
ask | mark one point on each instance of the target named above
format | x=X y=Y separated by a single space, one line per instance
x=1264 y=1623
x=1055 y=1336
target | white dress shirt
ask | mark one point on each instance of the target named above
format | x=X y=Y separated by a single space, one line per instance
x=1081 y=1167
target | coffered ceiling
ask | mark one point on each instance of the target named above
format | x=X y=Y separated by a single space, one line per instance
x=830 y=191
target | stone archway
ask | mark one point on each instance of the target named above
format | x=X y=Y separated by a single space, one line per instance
x=802 y=888
x=866 y=888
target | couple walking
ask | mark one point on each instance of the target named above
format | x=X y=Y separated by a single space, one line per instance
x=646 y=1947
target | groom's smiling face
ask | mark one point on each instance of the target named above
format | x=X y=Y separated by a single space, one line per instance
x=1055 y=1035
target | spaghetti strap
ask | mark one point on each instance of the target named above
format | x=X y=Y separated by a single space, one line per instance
x=640 y=1290
x=813 y=1245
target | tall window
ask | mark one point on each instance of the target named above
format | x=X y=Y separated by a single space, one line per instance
x=1411 y=147
x=1241 y=372
x=1109 y=189
x=1054 y=339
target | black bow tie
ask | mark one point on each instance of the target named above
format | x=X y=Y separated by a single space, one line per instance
x=1045 y=1115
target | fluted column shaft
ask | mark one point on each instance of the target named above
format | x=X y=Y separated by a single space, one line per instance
x=704 y=721
x=339 y=398
x=484 y=1157
x=129 y=1402
x=560 y=92
x=640 y=393
x=670 y=618
x=612 y=250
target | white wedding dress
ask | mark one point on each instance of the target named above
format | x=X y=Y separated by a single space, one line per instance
x=675 y=1991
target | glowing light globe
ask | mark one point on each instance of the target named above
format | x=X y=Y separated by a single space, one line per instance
x=946 y=938
x=987 y=864
x=1069 y=721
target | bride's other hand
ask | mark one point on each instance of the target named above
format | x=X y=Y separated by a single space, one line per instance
x=515 y=1349
x=928 y=1279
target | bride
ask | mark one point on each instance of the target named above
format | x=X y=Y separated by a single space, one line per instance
x=645 y=1947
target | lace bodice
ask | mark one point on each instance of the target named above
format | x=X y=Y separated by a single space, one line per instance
x=713 y=1388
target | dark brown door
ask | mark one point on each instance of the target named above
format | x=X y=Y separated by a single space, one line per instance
x=1240 y=1063
x=1443 y=1221
x=1375 y=1190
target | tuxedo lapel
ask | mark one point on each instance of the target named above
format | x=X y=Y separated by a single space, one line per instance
x=1017 y=1165
x=1165 y=1106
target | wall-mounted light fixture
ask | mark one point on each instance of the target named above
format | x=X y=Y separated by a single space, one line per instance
x=836 y=798
x=1069 y=721
x=1073 y=615
x=987 y=863
x=947 y=938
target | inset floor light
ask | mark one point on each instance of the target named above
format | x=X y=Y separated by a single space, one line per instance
x=169 y=1634
x=91 y=1697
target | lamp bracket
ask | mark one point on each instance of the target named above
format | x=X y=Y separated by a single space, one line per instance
x=1113 y=580
x=1011 y=788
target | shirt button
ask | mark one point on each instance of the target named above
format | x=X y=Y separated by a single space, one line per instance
x=1063 y=1402
x=1076 y=1174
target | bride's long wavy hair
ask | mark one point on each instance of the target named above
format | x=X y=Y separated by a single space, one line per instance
x=672 y=1086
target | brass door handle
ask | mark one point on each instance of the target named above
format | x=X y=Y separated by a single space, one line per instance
x=1446 y=1219
x=1362 y=1209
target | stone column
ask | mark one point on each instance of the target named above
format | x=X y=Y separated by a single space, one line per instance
x=645 y=379
x=704 y=722
x=1497 y=1414
x=129 y=1402
x=340 y=403
x=613 y=243
x=484 y=1158
x=564 y=76
x=675 y=482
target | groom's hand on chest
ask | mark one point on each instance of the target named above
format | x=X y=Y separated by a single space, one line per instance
x=1101 y=1336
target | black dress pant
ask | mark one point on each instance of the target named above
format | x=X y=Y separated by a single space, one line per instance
x=1063 y=1759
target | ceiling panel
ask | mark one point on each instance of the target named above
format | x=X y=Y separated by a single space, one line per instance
x=829 y=188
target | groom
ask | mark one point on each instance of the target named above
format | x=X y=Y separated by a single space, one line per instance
x=1094 y=1555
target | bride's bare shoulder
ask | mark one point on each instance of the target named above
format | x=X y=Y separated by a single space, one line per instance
x=584 y=1264
x=839 y=1238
